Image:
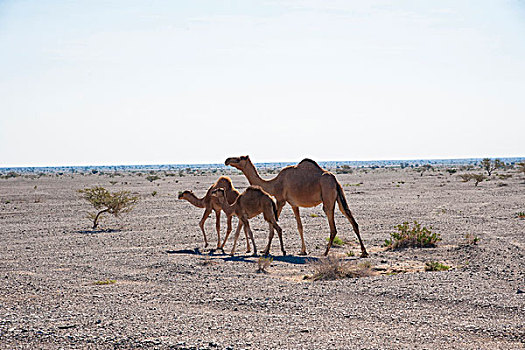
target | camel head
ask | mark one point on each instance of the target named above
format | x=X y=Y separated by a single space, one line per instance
x=183 y=195
x=238 y=162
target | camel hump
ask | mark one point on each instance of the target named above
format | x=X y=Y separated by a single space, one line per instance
x=308 y=162
x=255 y=189
x=224 y=182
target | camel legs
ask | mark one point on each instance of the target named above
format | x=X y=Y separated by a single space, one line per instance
x=229 y=230
x=218 y=227
x=346 y=212
x=207 y=213
x=275 y=226
x=329 y=211
x=280 y=206
x=300 y=229
x=244 y=222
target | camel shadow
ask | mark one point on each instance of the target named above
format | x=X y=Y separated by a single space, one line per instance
x=290 y=259
x=94 y=232
x=195 y=251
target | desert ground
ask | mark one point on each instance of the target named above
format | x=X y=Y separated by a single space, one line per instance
x=145 y=280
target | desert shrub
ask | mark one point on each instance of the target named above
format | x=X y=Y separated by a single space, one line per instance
x=423 y=168
x=333 y=268
x=152 y=178
x=10 y=175
x=470 y=239
x=491 y=165
x=521 y=167
x=452 y=171
x=103 y=201
x=435 y=266
x=465 y=177
x=263 y=263
x=476 y=177
x=417 y=236
x=337 y=241
x=154 y=193
x=345 y=169
x=104 y=282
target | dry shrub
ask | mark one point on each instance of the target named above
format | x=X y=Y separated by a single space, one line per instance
x=334 y=268
x=264 y=263
x=471 y=239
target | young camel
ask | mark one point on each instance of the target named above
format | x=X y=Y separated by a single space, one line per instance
x=303 y=185
x=249 y=204
x=211 y=203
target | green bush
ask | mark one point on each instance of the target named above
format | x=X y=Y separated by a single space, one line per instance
x=105 y=202
x=417 y=236
x=337 y=241
x=436 y=266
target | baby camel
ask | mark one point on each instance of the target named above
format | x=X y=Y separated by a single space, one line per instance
x=249 y=204
x=211 y=203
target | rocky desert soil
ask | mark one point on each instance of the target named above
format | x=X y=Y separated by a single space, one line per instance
x=164 y=290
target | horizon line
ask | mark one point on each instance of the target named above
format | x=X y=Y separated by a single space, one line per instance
x=145 y=164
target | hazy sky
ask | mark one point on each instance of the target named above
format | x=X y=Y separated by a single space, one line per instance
x=149 y=82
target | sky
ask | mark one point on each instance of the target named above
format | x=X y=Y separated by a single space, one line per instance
x=176 y=82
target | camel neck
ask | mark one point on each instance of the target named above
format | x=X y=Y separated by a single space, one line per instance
x=227 y=208
x=254 y=179
x=198 y=202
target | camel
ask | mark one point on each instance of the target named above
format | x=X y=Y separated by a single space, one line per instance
x=252 y=202
x=211 y=203
x=303 y=185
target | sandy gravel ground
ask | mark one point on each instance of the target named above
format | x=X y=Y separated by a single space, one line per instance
x=170 y=292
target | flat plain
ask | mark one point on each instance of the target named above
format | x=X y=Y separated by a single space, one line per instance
x=145 y=280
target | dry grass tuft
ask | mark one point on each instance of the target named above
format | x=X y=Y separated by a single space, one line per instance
x=263 y=264
x=334 y=268
x=104 y=282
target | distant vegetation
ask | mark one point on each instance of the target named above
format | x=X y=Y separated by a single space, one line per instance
x=476 y=177
x=490 y=165
x=104 y=201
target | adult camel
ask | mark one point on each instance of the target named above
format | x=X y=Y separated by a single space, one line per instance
x=303 y=185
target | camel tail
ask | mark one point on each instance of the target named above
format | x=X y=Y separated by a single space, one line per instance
x=343 y=206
